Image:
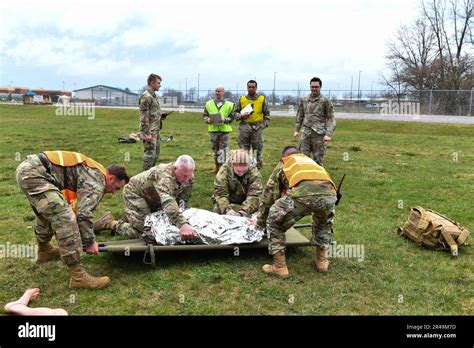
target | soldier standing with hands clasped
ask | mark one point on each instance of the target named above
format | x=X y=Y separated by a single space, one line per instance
x=316 y=116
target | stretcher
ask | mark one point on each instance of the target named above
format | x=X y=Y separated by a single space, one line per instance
x=293 y=239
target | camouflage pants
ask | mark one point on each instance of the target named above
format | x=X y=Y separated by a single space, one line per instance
x=286 y=211
x=312 y=145
x=220 y=146
x=136 y=210
x=152 y=148
x=54 y=215
x=251 y=136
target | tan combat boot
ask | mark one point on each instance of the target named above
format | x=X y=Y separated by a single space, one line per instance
x=46 y=252
x=80 y=279
x=321 y=261
x=278 y=267
x=105 y=222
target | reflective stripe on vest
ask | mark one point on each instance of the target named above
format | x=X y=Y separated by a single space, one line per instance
x=225 y=111
x=69 y=159
x=257 y=105
x=299 y=167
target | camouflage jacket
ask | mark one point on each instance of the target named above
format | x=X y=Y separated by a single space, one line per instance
x=316 y=114
x=159 y=188
x=229 y=189
x=89 y=185
x=277 y=185
x=265 y=109
x=150 y=111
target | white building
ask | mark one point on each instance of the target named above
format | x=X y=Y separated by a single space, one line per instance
x=168 y=101
x=107 y=95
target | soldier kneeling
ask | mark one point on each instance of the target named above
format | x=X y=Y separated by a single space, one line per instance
x=238 y=185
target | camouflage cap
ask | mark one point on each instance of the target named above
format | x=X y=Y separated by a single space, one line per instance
x=240 y=157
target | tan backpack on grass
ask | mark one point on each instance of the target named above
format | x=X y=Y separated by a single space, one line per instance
x=434 y=231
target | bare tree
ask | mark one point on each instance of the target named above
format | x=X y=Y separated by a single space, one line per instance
x=451 y=26
x=434 y=53
x=395 y=82
x=169 y=92
x=289 y=100
x=192 y=93
x=229 y=95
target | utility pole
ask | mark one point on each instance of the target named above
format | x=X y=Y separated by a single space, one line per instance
x=186 y=95
x=199 y=75
x=358 y=88
x=274 y=84
x=472 y=92
x=352 y=78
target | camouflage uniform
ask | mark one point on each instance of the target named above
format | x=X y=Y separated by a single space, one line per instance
x=238 y=194
x=149 y=191
x=42 y=186
x=219 y=140
x=251 y=134
x=316 y=116
x=150 y=121
x=280 y=208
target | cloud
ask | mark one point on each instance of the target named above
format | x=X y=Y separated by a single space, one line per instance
x=120 y=42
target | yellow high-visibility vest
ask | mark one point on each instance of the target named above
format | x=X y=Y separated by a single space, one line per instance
x=299 y=167
x=257 y=105
x=225 y=111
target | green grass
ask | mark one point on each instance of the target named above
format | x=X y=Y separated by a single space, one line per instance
x=385 y=162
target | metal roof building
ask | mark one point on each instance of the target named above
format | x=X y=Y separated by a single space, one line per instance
x=107 y=95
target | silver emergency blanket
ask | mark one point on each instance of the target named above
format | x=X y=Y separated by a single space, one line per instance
x=212 y=228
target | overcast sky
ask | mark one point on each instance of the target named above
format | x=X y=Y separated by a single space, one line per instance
x=44 y=44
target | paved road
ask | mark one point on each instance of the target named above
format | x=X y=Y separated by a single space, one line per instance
x=358 y=116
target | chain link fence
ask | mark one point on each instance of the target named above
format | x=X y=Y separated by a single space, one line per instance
x=427 y=102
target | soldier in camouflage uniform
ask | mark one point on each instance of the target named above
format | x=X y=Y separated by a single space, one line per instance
x=238 y=185
x=316 y=116
x=219 y=133
x=42 y=177
x=162 y=187
x=296 y=188
x=150 y=122
x=252 y=124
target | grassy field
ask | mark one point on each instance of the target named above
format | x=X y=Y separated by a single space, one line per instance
x=387 y=164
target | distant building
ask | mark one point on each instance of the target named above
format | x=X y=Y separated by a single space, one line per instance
x=107 y=95
x=168 y=101
x=27 y=94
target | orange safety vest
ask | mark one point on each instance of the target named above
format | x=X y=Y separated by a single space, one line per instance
x=299 y=167
x=71 y=199
x=70 y=159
